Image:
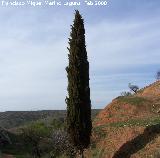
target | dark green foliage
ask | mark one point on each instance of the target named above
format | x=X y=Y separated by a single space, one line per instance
x=78 y=101
x=16 y=146
x=38 y=137
x=45 y=128
x=36 y=140
x=11 y=119
x=33 y=135
x=4 y=138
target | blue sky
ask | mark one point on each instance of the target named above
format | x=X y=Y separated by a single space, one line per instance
x=123 y=45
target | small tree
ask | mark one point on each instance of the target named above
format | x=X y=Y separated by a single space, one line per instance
x=79 y=123
x=133 y=88
x=33 y=134
x=158 y=75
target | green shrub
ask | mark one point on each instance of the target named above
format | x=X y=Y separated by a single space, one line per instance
x=133 y=100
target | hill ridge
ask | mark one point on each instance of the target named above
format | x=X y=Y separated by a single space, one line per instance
x=126 y=122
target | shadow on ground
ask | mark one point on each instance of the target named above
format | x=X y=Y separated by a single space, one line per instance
x=138 y=143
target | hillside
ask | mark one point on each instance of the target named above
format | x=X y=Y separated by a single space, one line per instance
x=129 y=127
x=38 y=127
x=11 y=119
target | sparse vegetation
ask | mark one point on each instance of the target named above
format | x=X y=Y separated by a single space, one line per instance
x=98 y=153
x=130 y=123
x=134 y=100
x=124 y=94
x=11 y=119
x=99 y=132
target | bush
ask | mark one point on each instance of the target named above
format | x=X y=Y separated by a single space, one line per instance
x=61 y=144
x=33 y=134
x=47 y=139
x=126 y=93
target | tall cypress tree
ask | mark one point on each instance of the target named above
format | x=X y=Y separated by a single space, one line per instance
x=79 y=123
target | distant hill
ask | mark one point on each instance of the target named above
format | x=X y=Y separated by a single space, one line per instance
x=12 y=119
x=129 y=127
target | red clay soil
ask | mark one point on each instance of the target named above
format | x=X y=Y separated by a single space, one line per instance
x=118 y=111
x=151 y=91
x=138 y=141
x=116 y=138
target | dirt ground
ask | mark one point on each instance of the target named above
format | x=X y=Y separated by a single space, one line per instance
x=7 y=156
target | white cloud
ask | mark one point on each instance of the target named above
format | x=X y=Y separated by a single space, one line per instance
x=33 y=61
x=129 y=43
x=114 y=47
x=33 y=57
